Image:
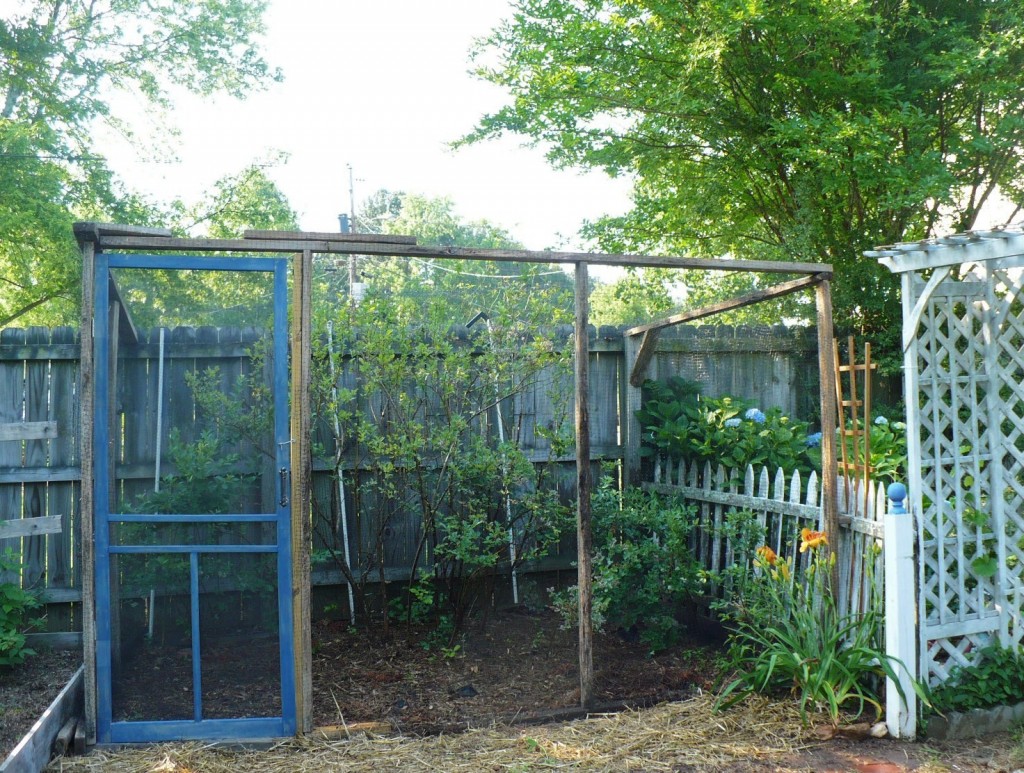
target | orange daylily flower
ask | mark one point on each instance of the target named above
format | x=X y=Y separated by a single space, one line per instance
x=767 y=554
x=809 y=540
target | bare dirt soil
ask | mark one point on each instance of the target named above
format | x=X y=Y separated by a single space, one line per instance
x=498 y=683
x=518 y=666
x=28 y=689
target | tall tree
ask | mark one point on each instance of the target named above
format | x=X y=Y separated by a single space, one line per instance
x=61 y=61
x=805 y=129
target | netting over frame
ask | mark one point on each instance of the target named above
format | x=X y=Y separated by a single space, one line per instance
x=964 y=370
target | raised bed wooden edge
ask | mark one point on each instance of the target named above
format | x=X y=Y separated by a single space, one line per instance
x=32 y=754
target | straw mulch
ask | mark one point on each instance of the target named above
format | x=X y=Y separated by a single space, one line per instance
x=669 y=737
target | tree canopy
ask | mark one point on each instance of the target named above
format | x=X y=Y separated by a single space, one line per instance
x=61 y=64
x=806 y=130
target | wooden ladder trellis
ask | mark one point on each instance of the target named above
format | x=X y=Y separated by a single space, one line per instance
x=855 y=457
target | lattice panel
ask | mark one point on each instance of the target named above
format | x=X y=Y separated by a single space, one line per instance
x=969 y=352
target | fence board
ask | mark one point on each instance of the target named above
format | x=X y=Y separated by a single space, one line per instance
x=11 y=410
x=42 y=367
x=60 y=498
x=781 y=508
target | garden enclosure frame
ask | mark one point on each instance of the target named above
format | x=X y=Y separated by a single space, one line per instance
x=99 y=238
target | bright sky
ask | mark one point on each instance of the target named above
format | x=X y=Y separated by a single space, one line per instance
x=383 y=86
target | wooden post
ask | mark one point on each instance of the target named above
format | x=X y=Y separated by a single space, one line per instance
x=900 y=615
x=87 y=390
x=584 y=536
x=302 y=471
x=827 y=392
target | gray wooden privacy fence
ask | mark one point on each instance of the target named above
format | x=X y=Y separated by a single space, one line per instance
x=40 y=477
x=781 y=506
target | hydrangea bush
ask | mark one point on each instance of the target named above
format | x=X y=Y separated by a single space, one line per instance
x=679 y=422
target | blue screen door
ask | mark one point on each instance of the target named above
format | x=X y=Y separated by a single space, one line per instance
x=191 y=493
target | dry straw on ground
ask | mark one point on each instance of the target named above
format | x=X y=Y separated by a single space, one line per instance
x=670 y=737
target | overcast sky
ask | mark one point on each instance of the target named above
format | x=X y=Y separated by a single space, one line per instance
x=383 y=86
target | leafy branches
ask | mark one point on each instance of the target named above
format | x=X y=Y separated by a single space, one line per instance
x=807 y=131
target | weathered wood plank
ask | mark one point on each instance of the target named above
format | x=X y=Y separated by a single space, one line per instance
x=301 y=465
x=34 y=526
x=749 y=299
x=37 y=409
x=12 y=400
x=84 y=529
x=28 y=430
x=328 y=236
x=463 y=253
x=33 y=752
x=584 y=534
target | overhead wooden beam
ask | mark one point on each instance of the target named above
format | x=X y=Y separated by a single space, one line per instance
x=249 y=246
x=584 y=484
x=329 y=236
x=650 y=330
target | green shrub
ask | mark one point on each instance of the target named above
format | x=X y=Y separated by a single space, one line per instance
x=997 y=679
x=16 y=604
x=681 y=423
x=644 y=570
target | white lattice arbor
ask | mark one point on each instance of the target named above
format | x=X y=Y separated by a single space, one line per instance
x=963 y=338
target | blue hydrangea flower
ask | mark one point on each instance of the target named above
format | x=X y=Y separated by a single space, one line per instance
x=733 y=422
x=754 y=415
x=881 y=421
x=813 y=441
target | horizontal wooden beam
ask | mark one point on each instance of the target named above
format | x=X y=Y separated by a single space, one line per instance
x=329 y=236
x=249 y=246
x=28 y=430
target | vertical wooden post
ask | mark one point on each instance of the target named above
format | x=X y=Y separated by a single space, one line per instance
x=302 y=469
x=87 y=392
x=827 y=392
x=584 y=484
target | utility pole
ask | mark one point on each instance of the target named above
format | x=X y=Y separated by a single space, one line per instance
x=352 y=214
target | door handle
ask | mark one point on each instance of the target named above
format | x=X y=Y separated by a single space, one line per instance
x=286 y=479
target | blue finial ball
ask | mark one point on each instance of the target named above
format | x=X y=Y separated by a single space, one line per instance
x=897 y=493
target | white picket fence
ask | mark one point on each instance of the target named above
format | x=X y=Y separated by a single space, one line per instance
x=782 y=506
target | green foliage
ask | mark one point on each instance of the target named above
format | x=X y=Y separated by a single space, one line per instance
x=787 y=635
x=644 y=569
x=995 y=679
x=16 y=604
x=641 y=295
x=888 y=450
x=429 y=427
x=680 y=423
x=757 y=130
x=61 y=65
x=203 y=481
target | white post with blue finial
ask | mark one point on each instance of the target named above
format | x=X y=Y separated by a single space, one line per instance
x=900 y=615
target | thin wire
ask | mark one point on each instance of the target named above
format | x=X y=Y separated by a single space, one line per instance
x=483 y=276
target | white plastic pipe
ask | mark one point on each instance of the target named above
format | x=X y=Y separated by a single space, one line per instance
x=341 y=477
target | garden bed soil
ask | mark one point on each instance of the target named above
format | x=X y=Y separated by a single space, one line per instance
x=517 y=666
x=28 y=689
